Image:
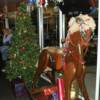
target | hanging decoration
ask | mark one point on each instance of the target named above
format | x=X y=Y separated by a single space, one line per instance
x=31 y=6
x=42 y=3
x=32 y=1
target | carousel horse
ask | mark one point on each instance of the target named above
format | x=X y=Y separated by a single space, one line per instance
x=70 y=58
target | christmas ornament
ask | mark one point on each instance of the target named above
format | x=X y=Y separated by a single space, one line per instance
x=42 y=2
x=22 y=49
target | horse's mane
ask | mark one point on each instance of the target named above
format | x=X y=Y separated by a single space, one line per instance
x=83 y=24
x=85 y=20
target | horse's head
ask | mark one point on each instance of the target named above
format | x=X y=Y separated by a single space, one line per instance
x=81 y=29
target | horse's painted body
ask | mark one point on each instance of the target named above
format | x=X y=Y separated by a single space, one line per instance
x=69 y=59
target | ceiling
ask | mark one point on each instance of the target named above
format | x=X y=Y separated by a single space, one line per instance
x=12 y=4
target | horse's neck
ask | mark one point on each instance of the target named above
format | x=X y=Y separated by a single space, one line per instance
x=73 y=39
x=75 y=44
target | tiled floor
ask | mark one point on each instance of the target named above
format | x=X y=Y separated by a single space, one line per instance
x=7 y=94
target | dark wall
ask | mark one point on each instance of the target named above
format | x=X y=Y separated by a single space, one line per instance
x=75 y=5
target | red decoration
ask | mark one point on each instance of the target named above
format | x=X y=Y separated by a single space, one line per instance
x=22 y=49
x=42 y=2
x=49 y=91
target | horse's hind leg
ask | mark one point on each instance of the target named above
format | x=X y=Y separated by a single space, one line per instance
x=69 y=75
x=42 y=64
x=80 y=79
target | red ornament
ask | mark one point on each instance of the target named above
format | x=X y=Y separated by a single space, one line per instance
x=42 y=2
x=49 y=91
x=22 y=49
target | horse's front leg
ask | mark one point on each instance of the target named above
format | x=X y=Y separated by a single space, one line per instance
x=81 y=82
x=42 y=64
x=69 y=75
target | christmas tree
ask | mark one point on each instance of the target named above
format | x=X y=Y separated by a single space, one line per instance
x=24 y=49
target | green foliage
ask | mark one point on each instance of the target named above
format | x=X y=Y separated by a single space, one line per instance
x=24 y=49
x=22 y=7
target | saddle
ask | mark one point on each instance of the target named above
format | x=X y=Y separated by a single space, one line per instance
x=53 y=50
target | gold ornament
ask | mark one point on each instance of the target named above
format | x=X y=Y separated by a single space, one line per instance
x=74 y=91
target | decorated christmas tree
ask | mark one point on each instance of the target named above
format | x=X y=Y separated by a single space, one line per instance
x=24 y=50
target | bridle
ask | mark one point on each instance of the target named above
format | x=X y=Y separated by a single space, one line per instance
x=82 y=31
